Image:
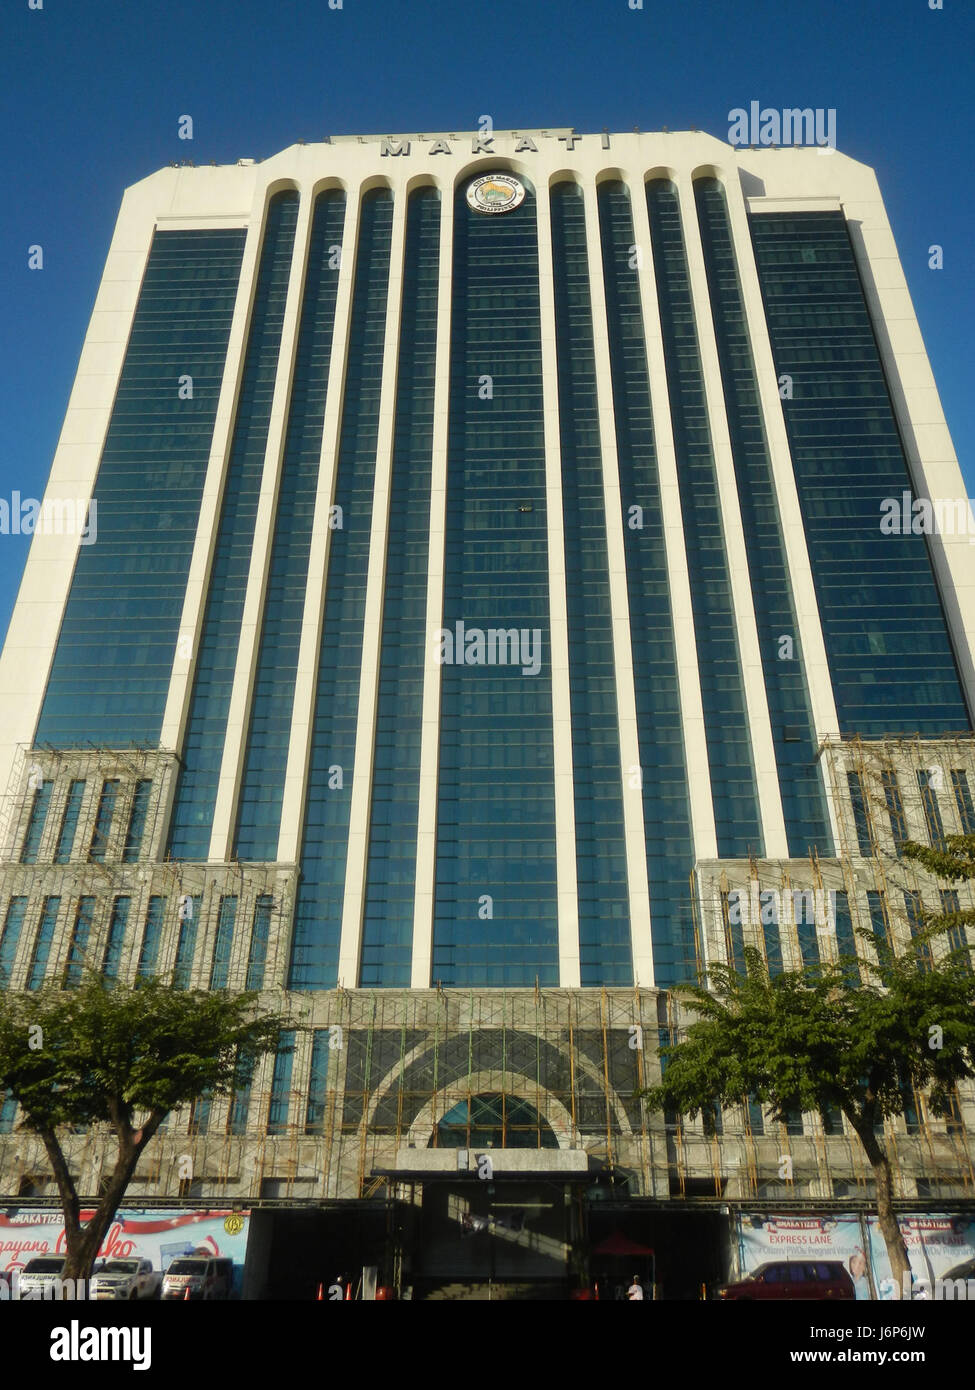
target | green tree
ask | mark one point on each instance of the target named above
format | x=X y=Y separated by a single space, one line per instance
x=121 y=1059
x=857 y=1036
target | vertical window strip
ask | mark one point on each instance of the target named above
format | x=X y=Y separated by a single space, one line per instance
x=881 y=612
x=196 y=790
x=10 y=937
x=79 y=942
x=239 y=1101
x=223 y=945
x=496 y=901
x=387 y=933
x=112 y=665
x=666 y=803
x=915 y=918
x=151 y=936
x=137 y=820
x=262 y=781
x=116 y=938
x=277 y=1119
x=880 y=917
x=603 y=896
x=260 y=935
x=42 y=942
x=895 y=807
x=861 y=814
x=69 y=823
x=35 y=825
x=737 y=818
x=932 y=812
x=101 y=837
x=200 y=1114
x=963 y=801
x=190 y=908
x=734 y=936
x=790 y=709
x=318 y=1082
x=957 y=935
x=845 y=938
x=319 y=898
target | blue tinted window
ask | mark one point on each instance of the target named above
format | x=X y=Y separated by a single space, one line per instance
x=224 y=943
x=137 y=820
x=928 y=782
x=318 y=905
x=101 y=837
x=262 y=783
x=189 y=919
x=387 y=937
x=35 y=825
x=318 y=1082
x=69 y=823
x=79 y=942
x=495 y=909
x=116 y=937
x=260 y=934
x=277 y=1119
x=10 y=937
x=889 y=652
x=963 y=801
x=149 y=952
x=603 y=896
x=736 y=814
x=219 y=639
x=114 y=657
x=793 y=731
x=42 y=942
x=861 y=813
x=666 y=810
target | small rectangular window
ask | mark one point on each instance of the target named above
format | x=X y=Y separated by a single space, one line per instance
x=35 y=824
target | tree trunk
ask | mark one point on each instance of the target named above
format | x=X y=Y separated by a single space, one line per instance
x=84 y=1242
x=900 y=1265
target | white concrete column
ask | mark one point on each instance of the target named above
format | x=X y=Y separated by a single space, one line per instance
x=426 y=837
x=350 y=947
x=749 y=648
x=565 y=826
x=249 y=641
x=633 y=824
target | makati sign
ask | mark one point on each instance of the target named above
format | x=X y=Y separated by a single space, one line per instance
x=480 y=144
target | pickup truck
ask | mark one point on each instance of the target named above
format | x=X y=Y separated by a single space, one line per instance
x=126 y=1279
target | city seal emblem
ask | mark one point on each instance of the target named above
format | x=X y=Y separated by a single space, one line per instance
x=495 y=193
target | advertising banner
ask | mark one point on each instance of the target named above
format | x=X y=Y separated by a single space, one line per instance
x=159 y=1236
x=936 y=1245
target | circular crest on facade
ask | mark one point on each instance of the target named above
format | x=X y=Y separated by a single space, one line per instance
x=495 y=193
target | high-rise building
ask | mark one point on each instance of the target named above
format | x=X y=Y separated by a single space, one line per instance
x=497 y=589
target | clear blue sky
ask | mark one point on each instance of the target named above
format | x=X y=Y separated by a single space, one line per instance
x=91 y=92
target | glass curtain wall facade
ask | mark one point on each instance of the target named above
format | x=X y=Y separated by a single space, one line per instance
x=526 y=427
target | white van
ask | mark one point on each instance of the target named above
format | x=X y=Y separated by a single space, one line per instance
x=198 y=1277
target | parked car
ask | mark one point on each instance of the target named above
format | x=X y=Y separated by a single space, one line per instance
x=132 y=1278
x=198 y=1277
x=39 y=1273
x=793 y=1279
